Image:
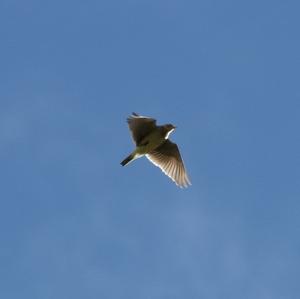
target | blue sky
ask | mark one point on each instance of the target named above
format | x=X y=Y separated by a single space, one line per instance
x=75 y=224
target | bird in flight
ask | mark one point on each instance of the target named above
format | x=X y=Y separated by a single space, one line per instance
x=152 y=141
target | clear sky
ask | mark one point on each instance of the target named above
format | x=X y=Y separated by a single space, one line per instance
x=75 y=224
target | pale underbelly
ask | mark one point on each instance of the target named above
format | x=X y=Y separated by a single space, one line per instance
x=150 y=143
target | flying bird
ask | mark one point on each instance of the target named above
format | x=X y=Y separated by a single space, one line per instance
x=152 y=141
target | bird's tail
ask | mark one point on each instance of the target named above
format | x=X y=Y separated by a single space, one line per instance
x=127 y=160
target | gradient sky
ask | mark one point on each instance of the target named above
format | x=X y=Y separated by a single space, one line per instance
x=75 y=224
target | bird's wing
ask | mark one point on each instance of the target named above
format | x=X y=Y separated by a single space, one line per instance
x=168 y=159
x=140 y=126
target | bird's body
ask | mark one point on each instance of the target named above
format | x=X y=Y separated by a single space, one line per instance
x=152 y=140
x=147 y=144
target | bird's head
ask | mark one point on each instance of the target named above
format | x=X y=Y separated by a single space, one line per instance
x=169 y=128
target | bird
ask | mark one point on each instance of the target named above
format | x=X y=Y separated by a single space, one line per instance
x=153 y=142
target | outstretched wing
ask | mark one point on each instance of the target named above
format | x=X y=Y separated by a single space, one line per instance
x=140 y=126
x=167 y=158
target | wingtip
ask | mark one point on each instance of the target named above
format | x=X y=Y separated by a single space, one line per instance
x=132 y=116
x=184 y=186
